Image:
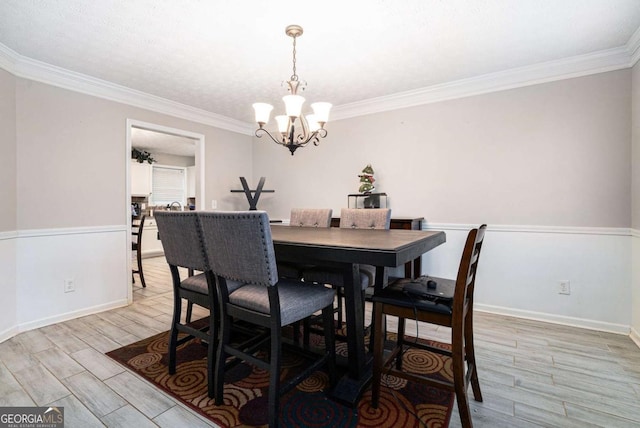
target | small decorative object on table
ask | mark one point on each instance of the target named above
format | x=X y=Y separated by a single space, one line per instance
x=366 y=180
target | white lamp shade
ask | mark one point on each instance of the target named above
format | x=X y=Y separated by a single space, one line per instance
x=293 y=105
x=262 y=110
x=321 y=111
x=283 y=123
x=312 y=122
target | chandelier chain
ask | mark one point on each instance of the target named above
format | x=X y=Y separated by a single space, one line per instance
x=294 y=76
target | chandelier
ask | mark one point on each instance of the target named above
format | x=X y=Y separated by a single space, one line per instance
x=294 y=129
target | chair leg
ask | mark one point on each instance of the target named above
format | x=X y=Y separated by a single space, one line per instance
x=459 y=380
x=140 y=273
x=173 y=338
x=274 y=377
x=189 y=312
x=378 y=357
x=339 y=304
x=221 y=356
x=400 y=341
x=330 y=343
x=211 y=348
x=470 y=355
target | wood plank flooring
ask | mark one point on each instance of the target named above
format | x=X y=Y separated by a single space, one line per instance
x=532 y=374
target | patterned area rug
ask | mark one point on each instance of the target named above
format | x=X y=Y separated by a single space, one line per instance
x=402 y=403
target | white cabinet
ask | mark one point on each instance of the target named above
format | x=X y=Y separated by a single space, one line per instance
x=140 y=178
x=191 y=182
x=151 y=245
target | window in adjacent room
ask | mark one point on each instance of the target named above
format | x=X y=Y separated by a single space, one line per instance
x=169 y=185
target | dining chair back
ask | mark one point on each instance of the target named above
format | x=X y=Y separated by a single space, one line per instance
x=240 y=248
x=311 y=217
x=375 y=218
x=181 y=237
x=455 y=310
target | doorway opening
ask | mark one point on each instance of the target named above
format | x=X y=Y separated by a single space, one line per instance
x=177 y=154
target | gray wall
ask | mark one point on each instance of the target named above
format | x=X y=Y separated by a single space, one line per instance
x=71 y=157
x=635 y=197
x=173 y=160
x=554 y=154
x=7 y=152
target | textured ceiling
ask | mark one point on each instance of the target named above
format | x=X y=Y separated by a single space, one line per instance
x=221 y=56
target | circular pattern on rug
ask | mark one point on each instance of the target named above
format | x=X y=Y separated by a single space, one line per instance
x=316 y=382
x=422 y=362
x=155 y=370
x=189 y=380
x=297 y=411
x=144 y=360
x=160 y=344
x=434 y=414
x=238 y=397
x=393 y=382
x=224 y=416
x=341 y=349
x=258 y=378
x=391 y=411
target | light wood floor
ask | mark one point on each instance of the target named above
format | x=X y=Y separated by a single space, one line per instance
x=532 y=374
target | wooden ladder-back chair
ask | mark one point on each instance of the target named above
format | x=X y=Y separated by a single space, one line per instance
x=453 y=309
x=136 y=247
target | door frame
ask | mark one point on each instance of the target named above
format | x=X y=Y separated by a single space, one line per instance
x=200 y=182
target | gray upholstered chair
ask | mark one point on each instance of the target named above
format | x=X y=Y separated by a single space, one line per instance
x=181 y=237
x=350 y=218
x=240 y=248
x=304 y=217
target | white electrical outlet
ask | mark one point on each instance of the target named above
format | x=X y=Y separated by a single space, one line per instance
x=69 y=285
x=564 y=287
x=214 y=204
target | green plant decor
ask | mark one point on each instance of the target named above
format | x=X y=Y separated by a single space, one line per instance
x=142 y=156
x=367 y=180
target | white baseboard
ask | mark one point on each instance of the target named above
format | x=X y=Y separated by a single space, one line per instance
x=558 y=319
x=8 y=333
x=635 y=336
x=43 y=322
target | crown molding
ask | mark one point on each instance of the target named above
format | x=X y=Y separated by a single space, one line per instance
x=550 y=71
x=633 y=47
x=39 y=71
x=8 y=59
x=566 y=68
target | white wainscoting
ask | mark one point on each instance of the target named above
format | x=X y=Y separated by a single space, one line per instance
x=518 y=274
x=635 y=286
x=521 y=265
x=8 y=326
x=95 y=258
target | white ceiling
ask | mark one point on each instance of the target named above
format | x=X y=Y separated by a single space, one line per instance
x=221 y=56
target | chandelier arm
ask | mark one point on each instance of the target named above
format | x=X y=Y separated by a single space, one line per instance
x=261 y=131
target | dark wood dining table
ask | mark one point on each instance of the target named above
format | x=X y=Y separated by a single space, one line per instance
x=345 y=249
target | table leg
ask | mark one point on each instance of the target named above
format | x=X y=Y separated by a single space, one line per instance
x=350 y=388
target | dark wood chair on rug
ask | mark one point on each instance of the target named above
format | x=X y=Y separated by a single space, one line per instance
x=136 y=247
x=443 y=302
x=181 y=237
x=240 y=248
